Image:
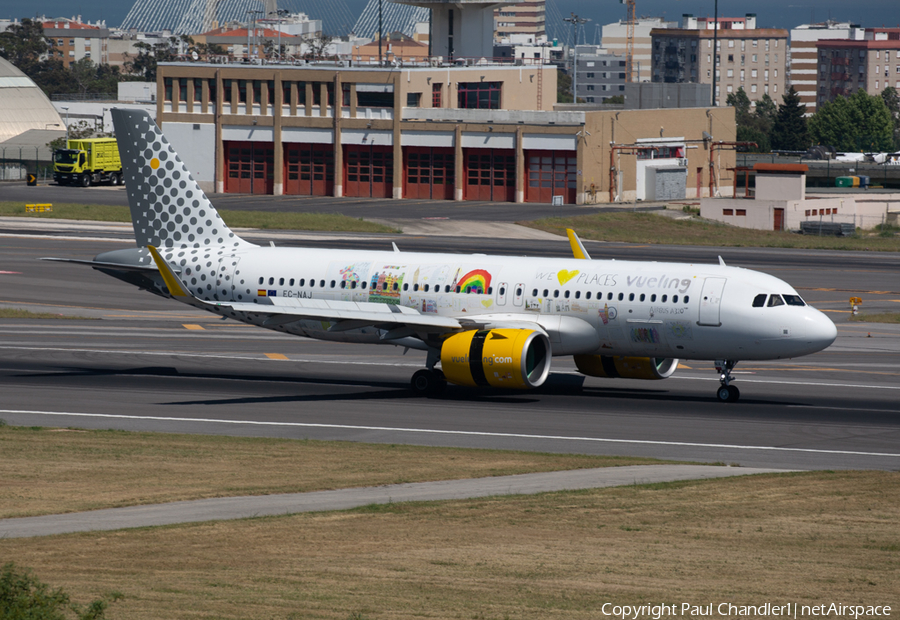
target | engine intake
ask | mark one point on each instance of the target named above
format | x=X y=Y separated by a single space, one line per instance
x=648 y=368
x=510 y=358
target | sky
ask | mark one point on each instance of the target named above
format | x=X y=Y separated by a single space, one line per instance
x=770 y=13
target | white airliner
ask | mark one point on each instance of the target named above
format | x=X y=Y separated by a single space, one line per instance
x=487 y=320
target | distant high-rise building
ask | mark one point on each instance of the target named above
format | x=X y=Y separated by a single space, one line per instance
x=615 y=42
x=526 y=18
x=804 y=55
x=847 y=65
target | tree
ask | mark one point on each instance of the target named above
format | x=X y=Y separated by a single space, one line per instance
x=789 y=132
x=892 y=101
x=143 y=64
x=860 y=123
x=752 y=126
x=24 y=45
x=23 y=596
x=563 y=87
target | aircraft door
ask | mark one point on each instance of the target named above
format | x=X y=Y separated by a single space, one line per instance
x=501 y=293
x=711 y=302
x=519 y=299
x=226 y=277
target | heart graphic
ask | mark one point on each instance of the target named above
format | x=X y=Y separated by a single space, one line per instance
x=564 y=276
x=487 y=303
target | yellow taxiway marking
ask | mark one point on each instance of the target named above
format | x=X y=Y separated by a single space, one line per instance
x=192 y=326
x=276 y=356
x=680 y=366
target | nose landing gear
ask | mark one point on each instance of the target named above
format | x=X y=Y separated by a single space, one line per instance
x=726 y=393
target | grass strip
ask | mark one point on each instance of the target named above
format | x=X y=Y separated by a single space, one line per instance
x=649 y=228
x=876 y=317
x=326 y=222
x=18 y=313
x=807 y=538
x=49 y=471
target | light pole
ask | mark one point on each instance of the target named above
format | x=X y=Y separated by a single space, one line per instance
x=575 y=21
x=715 y=50
x=280 y=13
x=67 y=124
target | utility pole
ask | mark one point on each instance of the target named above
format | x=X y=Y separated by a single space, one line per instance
x=380 y=33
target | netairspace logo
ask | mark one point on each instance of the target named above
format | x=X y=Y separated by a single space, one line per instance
x=787 y=610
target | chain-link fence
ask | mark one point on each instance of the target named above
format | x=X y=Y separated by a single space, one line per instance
x=17 y=162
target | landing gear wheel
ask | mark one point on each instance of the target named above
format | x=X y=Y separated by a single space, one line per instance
x=728 y=393
x=428 y=382
x=85 y=180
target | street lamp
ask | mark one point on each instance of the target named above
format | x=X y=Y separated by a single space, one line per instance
x=67 y=124
x=252 y=17
x=576 y=21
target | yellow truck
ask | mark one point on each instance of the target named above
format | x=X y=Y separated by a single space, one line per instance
x=88 y=162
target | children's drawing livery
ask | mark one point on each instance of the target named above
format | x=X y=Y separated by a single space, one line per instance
x=488 y=321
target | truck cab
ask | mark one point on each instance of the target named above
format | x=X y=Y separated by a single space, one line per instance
x=88 y=162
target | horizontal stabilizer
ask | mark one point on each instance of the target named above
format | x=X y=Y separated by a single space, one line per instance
x=105 y=265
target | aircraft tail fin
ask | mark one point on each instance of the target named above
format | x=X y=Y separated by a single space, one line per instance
x=168 y=208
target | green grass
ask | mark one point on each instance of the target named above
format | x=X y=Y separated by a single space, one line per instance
x=877 y=317
x=17 y=313
x=649 y=228
x=326 y=222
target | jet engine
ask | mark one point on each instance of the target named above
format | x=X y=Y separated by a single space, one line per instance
x=612 y=367
x=510 y=358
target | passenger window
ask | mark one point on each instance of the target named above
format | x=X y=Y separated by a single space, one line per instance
x=457 y=289
x=555 y=293
x=567 y=294
x=343 y=284
x=643 y=297
x=794 y=300
x=353 y=285
x=621 y=296
x=519 y=292
x=502 y=290
x=687 y=299
x=588 y=295
x=653 y=297
x=630 y=296
x=664 y=298
x=332 y=284
x=490 y=291
x=760 y=300
x=775 y=300
x=534 y=293
x=578 y=294
x=280 y=281
x=546 y=292
x=271 y=280
x=397 y=286
x=261 y=280
x=321 y=283
x=674 y=299
x=415 y=287
x=363 y=285
x=292 y=281
x=426 y=288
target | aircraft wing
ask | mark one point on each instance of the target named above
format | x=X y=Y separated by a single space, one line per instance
x=347 y=314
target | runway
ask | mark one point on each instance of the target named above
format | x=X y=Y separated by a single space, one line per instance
x=146 y=363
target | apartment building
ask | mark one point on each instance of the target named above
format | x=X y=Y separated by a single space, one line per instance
x=847 y=65
x=527 y=18
x=600 y=74
x=615 y=41
x=73 y=39
x=754 y=59
x=803 y=75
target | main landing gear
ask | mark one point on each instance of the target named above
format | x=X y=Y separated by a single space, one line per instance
x=429 y=381
x=726 y=393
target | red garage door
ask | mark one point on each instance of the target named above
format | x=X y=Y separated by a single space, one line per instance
x=369 y=171
x=549 y=174
x=490 y=174
x=430 y=172
x=250 y=168
x=309 y=169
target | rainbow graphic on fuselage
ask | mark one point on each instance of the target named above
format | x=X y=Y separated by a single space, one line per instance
x=476 y=281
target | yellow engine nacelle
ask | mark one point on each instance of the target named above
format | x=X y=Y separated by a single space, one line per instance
x=649 y=368
x=510 y=358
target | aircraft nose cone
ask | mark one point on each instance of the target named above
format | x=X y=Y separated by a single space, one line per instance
x=820 y=331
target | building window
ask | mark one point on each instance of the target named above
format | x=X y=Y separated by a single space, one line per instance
x=481 y=95
x=727 y=211
x=365 y=99
x=198 y=90
x=226 y=91
x=413 y=100
x=753 y=88
x=182 y=89
x=167 y=83
x=590 y=75
x=436 y=95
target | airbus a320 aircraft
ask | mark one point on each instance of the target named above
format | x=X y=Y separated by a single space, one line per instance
x=487 y=320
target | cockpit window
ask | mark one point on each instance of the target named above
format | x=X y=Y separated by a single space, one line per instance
x=760 y=300
x=775 y=300
x=794 y=300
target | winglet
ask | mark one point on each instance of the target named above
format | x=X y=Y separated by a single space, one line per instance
x=176 y=288
x=578 y=249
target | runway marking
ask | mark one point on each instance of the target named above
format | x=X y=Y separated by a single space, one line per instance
x=11 y=273
x=276 y=356
x=193 y=327
x=357 y=427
